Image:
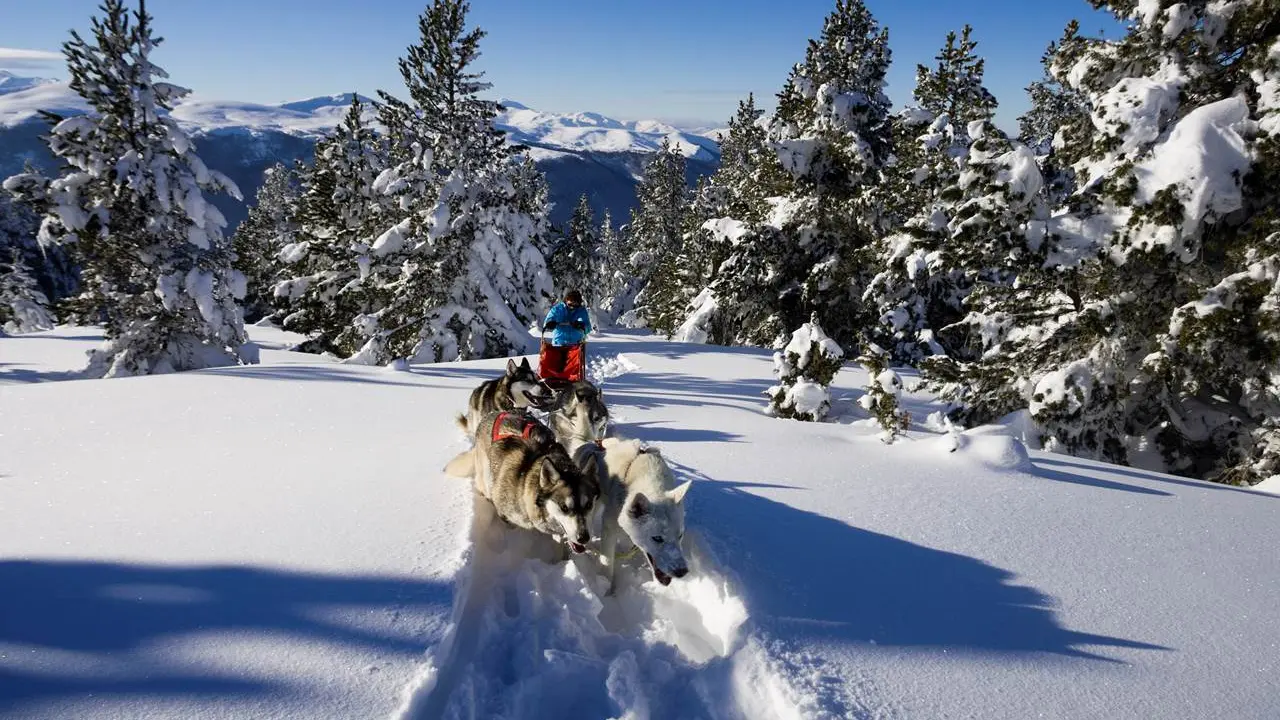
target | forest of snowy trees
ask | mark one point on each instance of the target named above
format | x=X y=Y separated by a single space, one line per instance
x=1113 y=270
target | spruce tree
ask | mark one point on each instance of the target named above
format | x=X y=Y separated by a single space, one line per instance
x=457 y=271
x=270 y=227
x=923 y=281
x=805 y=367
x=730 y=286
x=23 y=306
x=1158 y=344
x=883 y=393
x=156 y=269
x=574 y=260
x=338 y=213
x=1057 y=127
x=657 y=231
x=832 y=137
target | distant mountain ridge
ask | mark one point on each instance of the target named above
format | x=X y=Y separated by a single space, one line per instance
x=580 y=153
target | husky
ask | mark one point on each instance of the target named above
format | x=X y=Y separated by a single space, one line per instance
x=579 y=413
x=643 y=508
x=532 y=484
x=519 y=388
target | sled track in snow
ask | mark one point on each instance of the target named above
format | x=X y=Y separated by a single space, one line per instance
x=532 y=638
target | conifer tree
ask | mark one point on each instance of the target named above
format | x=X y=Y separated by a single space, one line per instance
x=23 y=306
x=1158 y=334
x=805 y=367
x=574 y=261
x=269 y=228
x=156 y=267
x=923 y=280
x=458 y=269
x=883 y=391
x=832 y=137
x=1057 y=127
x=657 y=231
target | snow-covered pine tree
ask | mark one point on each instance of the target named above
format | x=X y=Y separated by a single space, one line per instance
x=613 y=273
x=1057 y=127
x=921 y=287
x=155 y=266
x=574 y=260
x=1164 y=348
x=657 y=231
x=458 y=268
x=832 y=136
x=733 y=287
x=883 y=393
x=805 y=367
x=23 y=306
x=338 y=212
x=271 y=225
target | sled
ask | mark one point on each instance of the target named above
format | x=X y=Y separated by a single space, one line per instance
x=561 y=366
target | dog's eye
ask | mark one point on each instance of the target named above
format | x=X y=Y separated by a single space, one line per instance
x=657 y=539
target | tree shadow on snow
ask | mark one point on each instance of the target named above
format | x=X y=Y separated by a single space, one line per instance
x=1043 y=469
x=1067 y=464
x=112 y=614
x=645 y=391
x=653 y=431
x=819 y=579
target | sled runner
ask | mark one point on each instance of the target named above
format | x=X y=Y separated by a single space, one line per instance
x=561 y=366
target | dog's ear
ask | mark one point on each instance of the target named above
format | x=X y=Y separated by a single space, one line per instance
x=592 y=469
x=639 y=506
x=549 y=476
x=511 y=366
x=677 y=495
x=524 y=363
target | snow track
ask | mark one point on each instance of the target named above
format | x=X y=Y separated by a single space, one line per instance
x=534 y=637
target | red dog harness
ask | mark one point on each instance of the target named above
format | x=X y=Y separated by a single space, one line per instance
x=526 y=429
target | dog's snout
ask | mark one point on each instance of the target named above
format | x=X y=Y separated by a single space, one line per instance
x=584 y=536
x=680 y=572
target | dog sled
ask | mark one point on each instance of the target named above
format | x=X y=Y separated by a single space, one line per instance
x=561 y=366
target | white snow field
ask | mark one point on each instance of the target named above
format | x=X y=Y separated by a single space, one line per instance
x=279 y=541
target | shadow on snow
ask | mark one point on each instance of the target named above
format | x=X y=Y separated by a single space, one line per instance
x=110 y=613
x=819 y=579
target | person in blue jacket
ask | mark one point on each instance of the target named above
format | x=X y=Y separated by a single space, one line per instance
x=568 y=320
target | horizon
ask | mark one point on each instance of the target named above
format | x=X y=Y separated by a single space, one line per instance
x=535 y=55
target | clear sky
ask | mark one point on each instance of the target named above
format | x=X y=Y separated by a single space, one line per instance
x=685 y=61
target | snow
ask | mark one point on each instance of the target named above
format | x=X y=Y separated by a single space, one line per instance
x=278 y=541
x=727 y=229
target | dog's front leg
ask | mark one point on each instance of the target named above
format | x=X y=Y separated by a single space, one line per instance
x=609 y=552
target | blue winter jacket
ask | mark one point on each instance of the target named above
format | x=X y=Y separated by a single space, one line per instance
x=564 y=333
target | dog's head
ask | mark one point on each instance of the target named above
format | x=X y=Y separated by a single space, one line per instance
x=656 y=526
x=582 y=406
x=569 y=496
x=527 y=389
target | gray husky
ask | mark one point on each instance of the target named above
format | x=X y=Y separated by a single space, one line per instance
x=532 y=484
x=518 y=388
x=579 y=412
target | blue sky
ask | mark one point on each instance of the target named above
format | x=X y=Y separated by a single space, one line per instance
x=687 y=61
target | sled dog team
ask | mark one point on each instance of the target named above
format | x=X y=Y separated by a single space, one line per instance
x=568 y=480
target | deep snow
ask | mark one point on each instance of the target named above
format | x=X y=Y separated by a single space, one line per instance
x=278 y=540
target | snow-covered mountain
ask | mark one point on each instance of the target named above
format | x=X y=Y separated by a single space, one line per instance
x=10 y=83
x=582 y=152
x=279 y=541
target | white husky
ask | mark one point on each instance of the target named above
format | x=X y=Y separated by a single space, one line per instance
x=643 y=508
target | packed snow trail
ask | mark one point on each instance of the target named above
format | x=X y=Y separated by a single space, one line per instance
x=535 y=638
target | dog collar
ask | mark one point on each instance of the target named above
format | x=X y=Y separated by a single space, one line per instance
x=628 y=554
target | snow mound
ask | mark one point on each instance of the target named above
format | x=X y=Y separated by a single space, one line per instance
x=990 y=446
x=601 y=370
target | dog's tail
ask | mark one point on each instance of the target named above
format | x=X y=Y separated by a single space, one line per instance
x=462 y=422
x=462 y=466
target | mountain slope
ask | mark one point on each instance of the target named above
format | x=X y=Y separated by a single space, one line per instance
x=579 y=153
x=278 y=540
